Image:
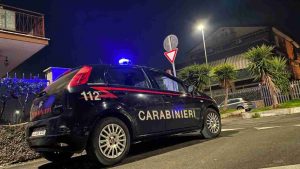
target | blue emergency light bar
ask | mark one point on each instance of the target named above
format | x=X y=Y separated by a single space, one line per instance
x=124 y=61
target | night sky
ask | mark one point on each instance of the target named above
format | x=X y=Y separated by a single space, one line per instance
x=89 y=32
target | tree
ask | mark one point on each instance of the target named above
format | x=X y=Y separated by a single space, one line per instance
x=225 y=74
x=21 y=89
x=197 y=75
x=269 y=69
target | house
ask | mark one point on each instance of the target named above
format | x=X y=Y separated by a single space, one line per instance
x=22 y=34
x=228 y=45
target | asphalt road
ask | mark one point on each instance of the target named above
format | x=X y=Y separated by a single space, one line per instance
x=244 y=144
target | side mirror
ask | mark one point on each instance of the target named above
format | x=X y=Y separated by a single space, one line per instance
x=191 y=88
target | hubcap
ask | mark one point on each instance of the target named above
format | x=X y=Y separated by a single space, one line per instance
x=213 y=123
x=112 y=141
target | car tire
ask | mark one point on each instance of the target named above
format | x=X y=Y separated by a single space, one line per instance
x=212 y=124
x=109 y=142
x=240 y=108
x=57 y=157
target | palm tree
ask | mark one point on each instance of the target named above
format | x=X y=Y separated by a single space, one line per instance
x=225 y=74
x=280 y=74
x=269 y=69
x=197 y=75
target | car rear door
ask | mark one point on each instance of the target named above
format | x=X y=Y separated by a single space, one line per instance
x=133 y=91
x=184 y=112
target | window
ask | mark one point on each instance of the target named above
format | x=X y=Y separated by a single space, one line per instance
x=61 y=83
x=127 y=77
x=166 y=83
x=233 y=101
x=97 y=75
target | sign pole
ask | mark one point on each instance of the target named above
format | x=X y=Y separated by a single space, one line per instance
x=173 y=64
x=174 y=70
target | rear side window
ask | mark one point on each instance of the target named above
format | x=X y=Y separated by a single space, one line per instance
x=97 y=75
x=132 y=77
x=61 y=83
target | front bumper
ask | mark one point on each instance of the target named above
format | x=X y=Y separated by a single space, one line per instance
x=60 y=136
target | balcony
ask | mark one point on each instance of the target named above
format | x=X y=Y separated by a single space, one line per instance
x=22 y=34
x=21 y=21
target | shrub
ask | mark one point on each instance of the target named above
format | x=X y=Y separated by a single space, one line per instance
x=256 y=115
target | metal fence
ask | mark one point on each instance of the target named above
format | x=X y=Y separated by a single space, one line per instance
x=261 y=93
x=21 y=21
x=251 y=94
x=294 y=93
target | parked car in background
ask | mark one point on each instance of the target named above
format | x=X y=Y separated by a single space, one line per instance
x=238 y=103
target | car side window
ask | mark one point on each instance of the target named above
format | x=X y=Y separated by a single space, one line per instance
x=234 y=101
x=231 y=101
x=166 y=83
x=97 y=75
x=132 y=77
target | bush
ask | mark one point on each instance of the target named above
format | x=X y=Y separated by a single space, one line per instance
x=256 y=115
x=14 y=147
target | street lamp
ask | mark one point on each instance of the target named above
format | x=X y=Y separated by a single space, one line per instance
x=201 y=27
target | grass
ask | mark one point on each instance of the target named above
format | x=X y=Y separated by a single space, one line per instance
x=262 y=109
x=227 y=111
x=256 y=115
x=288 y=104
x=291 y=103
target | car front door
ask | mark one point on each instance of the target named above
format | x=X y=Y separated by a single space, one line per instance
x=232 y=103
x=184 y=112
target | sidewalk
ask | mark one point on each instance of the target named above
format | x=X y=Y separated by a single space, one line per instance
x=275 y=112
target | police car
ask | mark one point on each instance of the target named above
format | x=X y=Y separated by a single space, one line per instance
x=103 y=109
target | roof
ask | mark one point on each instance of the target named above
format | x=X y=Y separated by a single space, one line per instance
x=221 y=35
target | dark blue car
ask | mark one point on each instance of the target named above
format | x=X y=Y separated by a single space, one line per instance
x=104 y=108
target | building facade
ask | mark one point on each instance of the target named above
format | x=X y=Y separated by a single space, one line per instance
x=228 y=45
x=22 y=34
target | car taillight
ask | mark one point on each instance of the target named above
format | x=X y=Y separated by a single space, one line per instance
x=81 y=77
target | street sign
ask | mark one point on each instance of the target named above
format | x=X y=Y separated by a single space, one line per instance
x=171 y=55
x=170 y=45
x=170 y=42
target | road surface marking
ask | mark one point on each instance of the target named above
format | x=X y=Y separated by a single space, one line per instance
x=297 y=166
x=263 y=128
x=297 y=125
x=232 y=129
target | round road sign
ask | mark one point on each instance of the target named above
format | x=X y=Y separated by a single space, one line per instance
x=170 y=42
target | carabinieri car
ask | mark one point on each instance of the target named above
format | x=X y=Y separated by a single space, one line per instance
x=103 y=109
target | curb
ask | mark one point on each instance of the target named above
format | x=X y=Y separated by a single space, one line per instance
x=276 y=112
x=235 y=113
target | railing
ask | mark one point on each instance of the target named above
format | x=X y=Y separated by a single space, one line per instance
x=261 y=92
x=294 y=93
x=21 y=21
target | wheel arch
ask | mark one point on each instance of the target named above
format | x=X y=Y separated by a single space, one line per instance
x=119 y=114
x=211 y=106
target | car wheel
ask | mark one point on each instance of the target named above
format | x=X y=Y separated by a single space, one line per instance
x=57 y=157
x=240 y=108
x=212 y=124
x=110 y=141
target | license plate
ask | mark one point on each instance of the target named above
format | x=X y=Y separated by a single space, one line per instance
x=38 y=132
